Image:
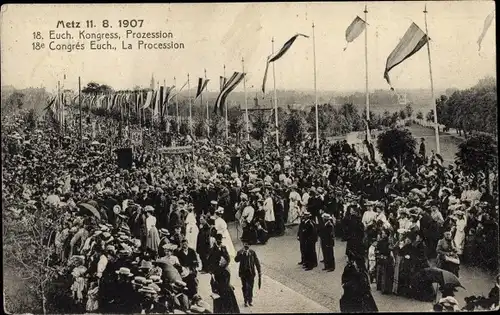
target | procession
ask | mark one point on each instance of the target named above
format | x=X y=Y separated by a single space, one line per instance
x=163 y=200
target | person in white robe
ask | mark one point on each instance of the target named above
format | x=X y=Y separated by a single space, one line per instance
x=221 y=227
x=294 y=208
x=191 y=228
x=269 y=212
x=460 y=225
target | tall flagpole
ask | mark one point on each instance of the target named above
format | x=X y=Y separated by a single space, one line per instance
x=436 y=127
x=177 y=109
x=246 y=101
x=80 y=108
x=190 y=113
x=275 y=104
x=208 y=113
x=367 y=94
x=315 y=90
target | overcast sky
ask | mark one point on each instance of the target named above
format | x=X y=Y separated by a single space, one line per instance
x=218 y=34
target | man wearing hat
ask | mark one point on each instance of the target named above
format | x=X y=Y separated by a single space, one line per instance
x=309 y=238
x=249 y=263
x=188 y=259
x=175 y=218
x=216 y=253
x=327 y=235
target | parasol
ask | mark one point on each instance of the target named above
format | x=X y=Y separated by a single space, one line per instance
x=53 y=200
x=95 y=142
x=440 y=276
x=91 y=209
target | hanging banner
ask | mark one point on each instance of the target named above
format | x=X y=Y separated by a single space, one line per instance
x=176 y=150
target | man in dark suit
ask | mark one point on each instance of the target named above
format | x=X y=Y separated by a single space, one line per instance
x=188 y=259
x=327 y=236
x=216 y=253
x=421 y=150
x=310 y=236
x=249 y=262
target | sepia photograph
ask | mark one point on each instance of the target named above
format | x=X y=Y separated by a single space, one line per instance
x=251 y=157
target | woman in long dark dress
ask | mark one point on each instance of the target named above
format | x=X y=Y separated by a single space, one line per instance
x=385 y=263
x=357 y=296
x=225 y=302
x=405 y=268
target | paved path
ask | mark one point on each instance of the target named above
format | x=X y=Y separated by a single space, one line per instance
x=287 y=288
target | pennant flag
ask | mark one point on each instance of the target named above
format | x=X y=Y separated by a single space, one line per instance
x=166 y=96
x=278 y=55
x=50 y=103
x=354 y=30
x=157 y=104
x=173 y=95
x=202 y=84
x=235 y=79
x=412 y=41
x=223 y=81
x=149 y=97
x=487 y=24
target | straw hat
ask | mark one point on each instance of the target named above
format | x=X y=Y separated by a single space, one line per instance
x=219 y=210
x=117 y=209
x=124 y=272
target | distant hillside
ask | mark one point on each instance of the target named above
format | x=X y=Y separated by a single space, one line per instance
x=28 y=98
x=380 y=100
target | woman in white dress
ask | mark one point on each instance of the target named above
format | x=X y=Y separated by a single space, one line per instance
x=191 y=228
x=221 y=227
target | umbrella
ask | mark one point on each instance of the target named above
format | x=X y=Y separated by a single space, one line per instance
x=95 y=142
x=440 y=276
x=90 y=208
x=53 y=200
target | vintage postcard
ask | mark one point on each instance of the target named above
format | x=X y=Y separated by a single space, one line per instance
x=263 y=157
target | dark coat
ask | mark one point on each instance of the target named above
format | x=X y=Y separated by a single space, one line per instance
x=357 y=296
x=214 y=257
x=248 y=263
x=189 y=260
x=221 y=285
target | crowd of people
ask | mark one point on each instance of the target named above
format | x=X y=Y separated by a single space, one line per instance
x=152 y=229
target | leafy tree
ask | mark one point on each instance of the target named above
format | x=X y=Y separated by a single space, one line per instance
x=295 y=128
x=217 y=127
x=96 y=88
x=184 y=128
x=396 y=144
x=236 y=121
x=174 y=126
x=29 y=250
x=14 y=101
x=430 y=116
x=260 y=126
x=477 y=154
x=420 y=115
x=402 y=114
x=409 y=110
x=200 y=128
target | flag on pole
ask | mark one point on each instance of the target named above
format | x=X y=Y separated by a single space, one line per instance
x=278 y=55
x=235 y=79
x=487 y=24
x=354 y=30
x=412 y=41
x=149 y=97
x=202 y=84
x=223 y=81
